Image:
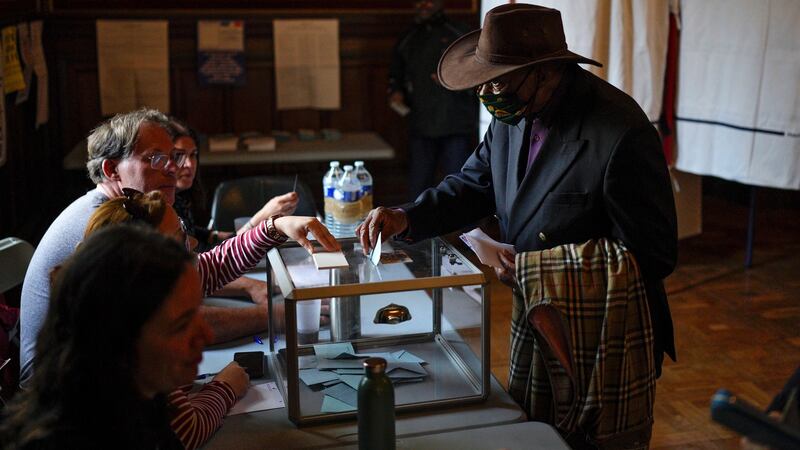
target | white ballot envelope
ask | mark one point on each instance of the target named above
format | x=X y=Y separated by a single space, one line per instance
x=485 y=247
x=375 y=254
x=329 y=260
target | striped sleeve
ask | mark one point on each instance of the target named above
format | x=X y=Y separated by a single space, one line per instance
x=197 y=416
x=233 y=257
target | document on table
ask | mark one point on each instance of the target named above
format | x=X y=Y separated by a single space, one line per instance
x=259 y=397
x=485 y=247
x=329 y=260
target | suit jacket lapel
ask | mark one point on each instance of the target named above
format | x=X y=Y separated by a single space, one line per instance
x=516 y=142
x=556 y=156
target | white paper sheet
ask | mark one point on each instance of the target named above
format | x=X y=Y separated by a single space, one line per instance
x=329 y=260
x=24 y=38
x=485 y=247
x=259 y=397
x=40 y=69
x=307 y=64
x=133 y=65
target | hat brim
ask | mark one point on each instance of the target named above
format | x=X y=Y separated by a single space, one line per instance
x=460 y=69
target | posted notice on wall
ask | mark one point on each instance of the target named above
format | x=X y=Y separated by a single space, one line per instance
x=220 y=52
x=12 y=70
x=2 y=110
x=133 y=65
x=307 y=64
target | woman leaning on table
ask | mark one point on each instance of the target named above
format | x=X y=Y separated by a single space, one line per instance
x=197 y=416
x=123 y=330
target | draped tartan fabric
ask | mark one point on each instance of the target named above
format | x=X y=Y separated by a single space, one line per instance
x=597 y=289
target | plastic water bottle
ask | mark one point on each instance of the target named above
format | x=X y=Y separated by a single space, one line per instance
x=375 y=407
x=365 y=179
x=347 y=204
x=329 y=181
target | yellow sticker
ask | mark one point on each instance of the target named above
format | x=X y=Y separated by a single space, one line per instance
x=12 y=71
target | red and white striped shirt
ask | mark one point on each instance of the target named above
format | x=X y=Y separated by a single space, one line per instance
x=200 y=414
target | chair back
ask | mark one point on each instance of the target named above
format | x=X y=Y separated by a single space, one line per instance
x=15 y=254
x=243 y=197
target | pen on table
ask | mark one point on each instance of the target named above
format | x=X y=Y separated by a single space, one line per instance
x=258 y=340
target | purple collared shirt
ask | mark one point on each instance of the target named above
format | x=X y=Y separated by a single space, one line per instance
x=538 y=135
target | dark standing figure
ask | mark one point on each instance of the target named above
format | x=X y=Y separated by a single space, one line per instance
x=441 y=122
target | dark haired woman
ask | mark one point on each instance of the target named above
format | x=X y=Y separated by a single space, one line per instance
x=123 y=330
x=189 y=195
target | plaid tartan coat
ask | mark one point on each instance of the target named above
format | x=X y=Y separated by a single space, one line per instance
x=597 y=288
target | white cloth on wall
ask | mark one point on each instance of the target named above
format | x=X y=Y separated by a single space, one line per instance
x=629 y=37
x=738 y=102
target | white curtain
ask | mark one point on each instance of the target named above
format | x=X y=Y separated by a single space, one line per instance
x=738 y=103
x=629 y=37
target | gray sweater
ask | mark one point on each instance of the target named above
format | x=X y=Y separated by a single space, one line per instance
x=58 y=243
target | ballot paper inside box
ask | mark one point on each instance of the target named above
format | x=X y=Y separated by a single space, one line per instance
x=411 y=311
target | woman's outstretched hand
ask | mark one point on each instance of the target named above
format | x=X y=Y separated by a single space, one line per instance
x=298 y=227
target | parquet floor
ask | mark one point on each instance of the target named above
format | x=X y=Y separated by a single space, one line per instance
x=734 y=328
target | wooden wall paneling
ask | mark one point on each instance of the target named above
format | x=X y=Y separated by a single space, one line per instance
x=202 y=107
x=253 y=104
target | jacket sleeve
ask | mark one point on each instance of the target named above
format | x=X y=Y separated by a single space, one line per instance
x=638 y=198
x=397 y=68
x=459 y=200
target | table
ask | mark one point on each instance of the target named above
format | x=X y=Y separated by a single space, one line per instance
x=273 y=428
x=515 y=436
x=352 y=146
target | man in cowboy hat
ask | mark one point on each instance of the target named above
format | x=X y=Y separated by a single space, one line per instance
x=567 y=158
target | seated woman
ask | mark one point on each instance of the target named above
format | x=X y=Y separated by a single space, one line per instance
x=190 y=195
x=123 y=329
x=198 y=416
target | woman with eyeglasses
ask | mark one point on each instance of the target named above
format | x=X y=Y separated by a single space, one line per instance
x=123 y=330
x=198 y=417
x=190 y=195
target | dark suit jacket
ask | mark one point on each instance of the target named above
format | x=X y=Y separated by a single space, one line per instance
x=600 y=173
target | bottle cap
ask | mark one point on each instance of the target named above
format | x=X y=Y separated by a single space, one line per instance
x=358 y=163
x=348 y=167
x=334 y=164
x=375 y=365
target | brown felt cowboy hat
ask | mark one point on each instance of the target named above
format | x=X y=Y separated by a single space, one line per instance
x=513 y=36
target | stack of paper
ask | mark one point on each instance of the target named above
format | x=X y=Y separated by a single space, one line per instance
x=223 y=143
x=339 y=369
x=259 y=143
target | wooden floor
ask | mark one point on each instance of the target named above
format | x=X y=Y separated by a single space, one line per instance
x=734 y=328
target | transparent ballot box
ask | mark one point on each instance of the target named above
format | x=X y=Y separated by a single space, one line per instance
x=424 y=308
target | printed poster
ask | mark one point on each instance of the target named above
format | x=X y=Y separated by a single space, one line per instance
x=12 y=71
x=220 y=52
x=307 y=64
x=133 y=65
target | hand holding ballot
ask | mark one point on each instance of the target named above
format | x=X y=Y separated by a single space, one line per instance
x=297 y=228
x=498 y=255
x=384 y=222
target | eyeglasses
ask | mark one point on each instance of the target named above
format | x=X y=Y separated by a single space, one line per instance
x=159 y=160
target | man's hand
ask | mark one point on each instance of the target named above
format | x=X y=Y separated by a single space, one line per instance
x=236 y=377
x=385 y=220
x=297 y=228
x=506 y=274
x=397 y=97
x=284 y=205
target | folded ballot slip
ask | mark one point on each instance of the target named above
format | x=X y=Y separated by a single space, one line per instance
x=485 y=247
